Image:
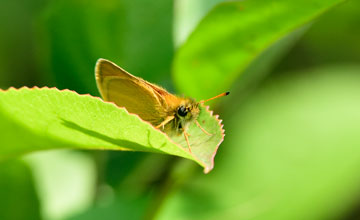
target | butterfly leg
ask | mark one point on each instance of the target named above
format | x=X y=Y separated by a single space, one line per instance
x=198 y=124
x=169 y=118
x=186 y=135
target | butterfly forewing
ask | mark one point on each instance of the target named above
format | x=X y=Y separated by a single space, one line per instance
x=125 y=90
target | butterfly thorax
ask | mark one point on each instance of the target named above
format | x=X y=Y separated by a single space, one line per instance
x=185 y=111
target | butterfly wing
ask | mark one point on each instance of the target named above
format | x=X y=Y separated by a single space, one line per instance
x=135 y=94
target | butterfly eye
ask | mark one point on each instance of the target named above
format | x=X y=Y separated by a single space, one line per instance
x=182 y=111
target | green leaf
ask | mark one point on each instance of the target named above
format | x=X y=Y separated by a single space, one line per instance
x=292 y=152
x=233 y=35
x=38 y=119
x=187 y=14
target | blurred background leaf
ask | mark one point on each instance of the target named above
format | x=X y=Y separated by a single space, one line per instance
x=187 y=15
x=18 y=195
x=231 y=36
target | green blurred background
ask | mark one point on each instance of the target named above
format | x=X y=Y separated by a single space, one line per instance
x=292 y=146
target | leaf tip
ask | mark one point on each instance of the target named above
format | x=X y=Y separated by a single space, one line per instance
x=208 y=168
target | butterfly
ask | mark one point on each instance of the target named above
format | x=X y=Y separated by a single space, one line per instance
x=170 y=113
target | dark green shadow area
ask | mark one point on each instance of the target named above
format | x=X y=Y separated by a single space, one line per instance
x=119 y=142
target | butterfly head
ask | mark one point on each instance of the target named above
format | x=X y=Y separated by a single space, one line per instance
x=186 y=112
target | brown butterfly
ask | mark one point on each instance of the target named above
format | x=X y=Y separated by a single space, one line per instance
x=170 y=113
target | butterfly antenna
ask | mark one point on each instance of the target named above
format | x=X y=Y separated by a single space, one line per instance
x=215 y=97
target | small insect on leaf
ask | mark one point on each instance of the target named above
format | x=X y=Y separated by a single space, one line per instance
x=176 y=116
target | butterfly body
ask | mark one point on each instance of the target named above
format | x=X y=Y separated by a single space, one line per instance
x=170 y=113
x=150 y=102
